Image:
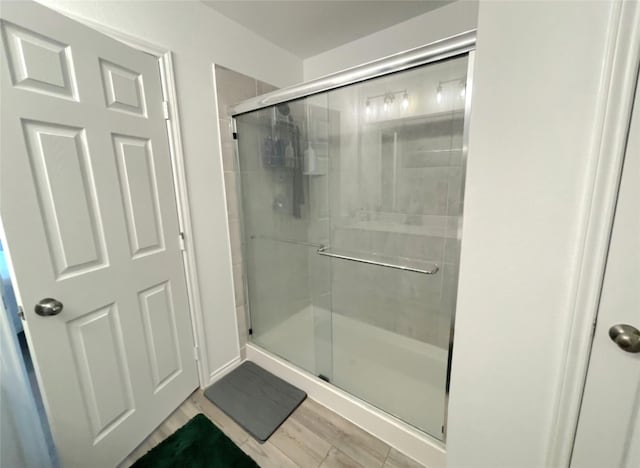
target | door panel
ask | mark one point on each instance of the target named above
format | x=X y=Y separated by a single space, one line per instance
x=123 y=89
x=139 y=187
x=90 y=217
x=609 y=426
x=160 y=333
x=39 y=63
x=66 y=190
x=97 y=341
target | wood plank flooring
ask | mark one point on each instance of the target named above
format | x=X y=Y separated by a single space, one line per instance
x=313 y=436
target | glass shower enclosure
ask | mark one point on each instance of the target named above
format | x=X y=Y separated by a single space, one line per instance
x=352 y=204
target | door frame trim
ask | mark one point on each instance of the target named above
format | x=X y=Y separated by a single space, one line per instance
x=27 y=424
x=608 y=144
x=169 y=91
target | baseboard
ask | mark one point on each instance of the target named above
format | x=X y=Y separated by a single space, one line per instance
x=224 y=370
x=410 y=441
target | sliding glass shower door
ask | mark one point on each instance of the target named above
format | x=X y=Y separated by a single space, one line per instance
x=352 y=215
x=285 y=208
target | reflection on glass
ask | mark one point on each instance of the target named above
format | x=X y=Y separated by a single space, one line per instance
x=372 y=171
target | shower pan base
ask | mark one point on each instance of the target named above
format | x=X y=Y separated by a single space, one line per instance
x=398 y=434
x=395 y=373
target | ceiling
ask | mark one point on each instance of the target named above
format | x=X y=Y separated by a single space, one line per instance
x=308 y=27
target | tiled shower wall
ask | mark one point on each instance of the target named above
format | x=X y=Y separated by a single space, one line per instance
x=397 y=192
x=231 y=88
x=422 y=226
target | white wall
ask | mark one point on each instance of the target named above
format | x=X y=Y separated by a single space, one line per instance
x=437 y=24
x=536 y=89
x=199 y=37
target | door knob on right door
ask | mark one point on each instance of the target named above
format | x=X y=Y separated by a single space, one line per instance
x=626 y=337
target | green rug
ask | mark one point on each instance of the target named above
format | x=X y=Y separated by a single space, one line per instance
x=197 y=444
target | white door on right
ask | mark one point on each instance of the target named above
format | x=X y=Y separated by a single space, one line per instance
x=609 y=427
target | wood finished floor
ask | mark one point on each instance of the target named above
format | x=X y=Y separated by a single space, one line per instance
x=313 y=436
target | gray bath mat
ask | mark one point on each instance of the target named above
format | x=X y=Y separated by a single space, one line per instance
x=256 y=399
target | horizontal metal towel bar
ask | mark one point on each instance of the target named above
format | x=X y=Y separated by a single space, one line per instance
x=324 y=250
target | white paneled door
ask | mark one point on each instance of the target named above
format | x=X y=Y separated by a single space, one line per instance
x=609 y=426
x=90 y=217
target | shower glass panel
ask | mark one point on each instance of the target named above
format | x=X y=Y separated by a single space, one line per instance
x=352 y=214
x=283 y=158
x=397 y=178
